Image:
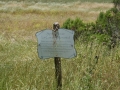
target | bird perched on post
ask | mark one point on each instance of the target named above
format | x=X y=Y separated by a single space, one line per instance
x=56 y=26
x=55 y=32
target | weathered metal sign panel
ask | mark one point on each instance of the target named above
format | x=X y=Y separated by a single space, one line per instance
x=56 y=44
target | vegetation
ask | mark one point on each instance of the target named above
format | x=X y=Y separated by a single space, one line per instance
x=116 y=3
x=96 y=67
x=60 y=1
x=106 y=29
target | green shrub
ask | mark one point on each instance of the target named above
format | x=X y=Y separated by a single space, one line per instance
x=77 y=25
x=105 y=29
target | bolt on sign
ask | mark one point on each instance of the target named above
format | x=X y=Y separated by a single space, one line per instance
x=56 y=44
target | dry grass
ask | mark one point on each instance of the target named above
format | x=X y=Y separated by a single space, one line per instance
x=20 y=67
x=20 y=20
x=87 y=11
x=32 y=16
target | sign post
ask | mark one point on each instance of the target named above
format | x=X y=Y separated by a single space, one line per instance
x=57 y=43
x=57 y=60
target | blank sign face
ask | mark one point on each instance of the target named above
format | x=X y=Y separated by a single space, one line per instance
x=56 y=44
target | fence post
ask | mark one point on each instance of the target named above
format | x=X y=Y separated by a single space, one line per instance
x=57 y=62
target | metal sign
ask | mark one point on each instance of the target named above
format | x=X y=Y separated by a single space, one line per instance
x=56 y=44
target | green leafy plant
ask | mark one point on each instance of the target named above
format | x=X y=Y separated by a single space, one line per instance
x=105 y=29
x=77 y=25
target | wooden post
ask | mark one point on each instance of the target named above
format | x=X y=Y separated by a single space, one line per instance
x=57 y=61
x=58 y=74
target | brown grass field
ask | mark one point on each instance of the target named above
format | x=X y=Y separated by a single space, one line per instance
x=20 y=67
x=20 y=18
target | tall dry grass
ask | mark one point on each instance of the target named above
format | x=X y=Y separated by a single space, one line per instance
x=20 y=67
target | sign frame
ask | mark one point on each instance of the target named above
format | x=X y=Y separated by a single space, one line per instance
x=56 y=44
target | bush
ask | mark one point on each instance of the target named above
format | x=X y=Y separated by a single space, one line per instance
x=109 y=24
x=77 y=25
x=105 y=29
